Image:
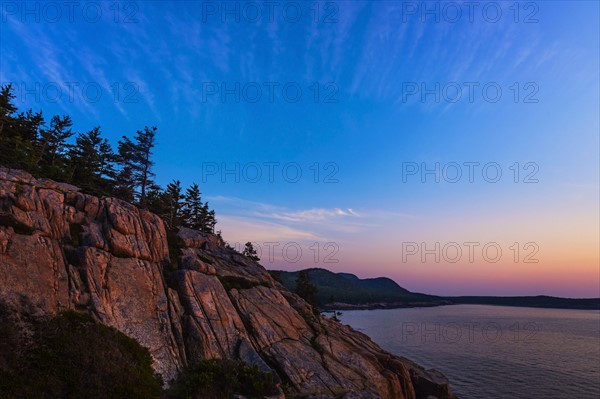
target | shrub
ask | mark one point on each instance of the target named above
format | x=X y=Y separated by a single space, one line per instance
x=72 y=356
x=220 y=379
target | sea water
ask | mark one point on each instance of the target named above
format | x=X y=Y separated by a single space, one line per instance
x=495 y=352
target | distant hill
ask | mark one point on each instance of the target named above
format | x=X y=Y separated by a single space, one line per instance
x=347 y=291
x=346 y=288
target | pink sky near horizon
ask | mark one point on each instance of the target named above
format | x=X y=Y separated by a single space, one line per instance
x=568 y=261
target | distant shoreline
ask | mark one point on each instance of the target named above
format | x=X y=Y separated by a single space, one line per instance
x=560 y=303
x=375 y=306
x=540 y=301
x=345 y=291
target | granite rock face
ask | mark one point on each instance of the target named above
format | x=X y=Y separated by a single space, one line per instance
x=186 y=299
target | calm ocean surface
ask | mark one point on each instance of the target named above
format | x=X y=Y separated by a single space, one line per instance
x=494 y=351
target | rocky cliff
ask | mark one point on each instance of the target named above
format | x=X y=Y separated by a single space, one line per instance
x=183 y=295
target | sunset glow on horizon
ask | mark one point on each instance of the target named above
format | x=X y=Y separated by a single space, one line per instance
x=357 y=140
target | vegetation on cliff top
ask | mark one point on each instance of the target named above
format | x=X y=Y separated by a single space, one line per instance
x=87 y=160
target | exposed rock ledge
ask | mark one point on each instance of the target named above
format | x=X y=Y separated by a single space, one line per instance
x=61 y=249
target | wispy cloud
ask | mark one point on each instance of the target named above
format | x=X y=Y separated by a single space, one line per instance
x=275 y=212
x=238 y=229
x=311 y=215
x=335 y=224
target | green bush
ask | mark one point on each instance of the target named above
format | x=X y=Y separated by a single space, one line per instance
x=221 y=379
x=72 y=356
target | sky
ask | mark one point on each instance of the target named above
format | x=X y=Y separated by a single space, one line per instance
x=451 y=146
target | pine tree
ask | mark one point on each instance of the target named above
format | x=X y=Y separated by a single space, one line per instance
x=124 y=187
x=18 y=131
x=157 y=201
x=173 y=197
x=220 y=237
x=27 y=128
x=306 y=289
x=208 y=219
x=211 y=222
x=250 y=252
x=145 y=143
x=136 y=157
x=13 y=143
x=204 y=215
x=192 y=211
x=51 y=148
x=91 y=163
x=107 y=161
x=7 y=108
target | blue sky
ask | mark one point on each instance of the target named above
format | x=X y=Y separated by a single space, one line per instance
x=166 y=64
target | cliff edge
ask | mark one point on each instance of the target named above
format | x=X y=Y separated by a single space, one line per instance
x=181 y=294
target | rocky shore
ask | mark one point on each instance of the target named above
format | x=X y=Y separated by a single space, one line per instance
x=182 y=294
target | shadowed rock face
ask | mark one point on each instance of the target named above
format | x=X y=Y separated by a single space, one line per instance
x=61 y=249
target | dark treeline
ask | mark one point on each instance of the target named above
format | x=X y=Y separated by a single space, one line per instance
x=87 y=160
x=182 y=209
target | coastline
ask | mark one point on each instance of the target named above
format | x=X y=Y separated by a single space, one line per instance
x=382 y=305
x=585 y=304
x=454 y=340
